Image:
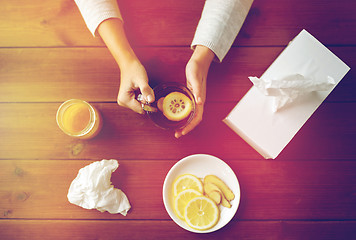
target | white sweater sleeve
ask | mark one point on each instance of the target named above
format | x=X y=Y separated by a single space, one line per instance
x=220 y=22
x=95 y=12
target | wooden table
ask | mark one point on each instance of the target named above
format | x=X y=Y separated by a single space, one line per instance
x=48 y=56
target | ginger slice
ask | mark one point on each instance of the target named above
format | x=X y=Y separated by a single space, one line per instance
x=215 y=196
x=229 y=195
x=211 y=187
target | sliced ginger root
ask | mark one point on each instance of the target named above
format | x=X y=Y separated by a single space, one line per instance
x=229 y=195
x=210 y=188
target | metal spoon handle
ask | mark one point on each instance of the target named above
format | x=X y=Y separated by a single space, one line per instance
x=145 y=105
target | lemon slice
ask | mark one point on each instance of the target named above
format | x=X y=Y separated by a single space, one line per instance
x=180 y=202
x=176 y=106
x=201 y=213
x=187 y=181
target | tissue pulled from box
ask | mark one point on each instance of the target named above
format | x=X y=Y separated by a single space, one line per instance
x=92 y=189
x=287 y=89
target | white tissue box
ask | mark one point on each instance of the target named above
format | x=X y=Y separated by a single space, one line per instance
x=269 y=132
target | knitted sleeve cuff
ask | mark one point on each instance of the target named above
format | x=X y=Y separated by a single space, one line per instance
x=219 y=25
x=95 y=12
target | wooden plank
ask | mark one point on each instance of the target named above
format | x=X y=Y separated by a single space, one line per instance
x=39 y=23
x=278 y=23
x=37 y=74
x=29 y=130
x=59 y=23
x=63 y=229
x=57 y=74
x=270 y=190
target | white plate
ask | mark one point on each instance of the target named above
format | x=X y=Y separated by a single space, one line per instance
x=201 y=165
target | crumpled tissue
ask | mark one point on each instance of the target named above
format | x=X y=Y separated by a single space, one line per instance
x=287 y=89
x=92 y=189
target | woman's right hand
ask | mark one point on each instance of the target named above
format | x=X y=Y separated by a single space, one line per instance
x=134 y=78
x=133 y=74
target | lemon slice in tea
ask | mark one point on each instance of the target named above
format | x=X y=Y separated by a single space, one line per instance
x=176 y=106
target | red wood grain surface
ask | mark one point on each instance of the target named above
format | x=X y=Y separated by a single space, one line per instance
x=48 y=56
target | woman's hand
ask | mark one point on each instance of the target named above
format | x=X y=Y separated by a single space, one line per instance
x=197 y=72
x=133 y=78
x=133 y=74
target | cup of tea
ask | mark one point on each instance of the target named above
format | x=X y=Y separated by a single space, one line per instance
x=175 y=106
x=79 y=119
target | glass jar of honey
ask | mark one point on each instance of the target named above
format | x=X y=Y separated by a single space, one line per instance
x=79 y=119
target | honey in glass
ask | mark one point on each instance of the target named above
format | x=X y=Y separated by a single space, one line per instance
x=79 y=119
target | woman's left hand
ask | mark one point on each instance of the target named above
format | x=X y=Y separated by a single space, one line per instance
x=196 y=73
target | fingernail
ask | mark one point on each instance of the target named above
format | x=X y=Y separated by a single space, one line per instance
x=198 y=100
x=150 y=98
